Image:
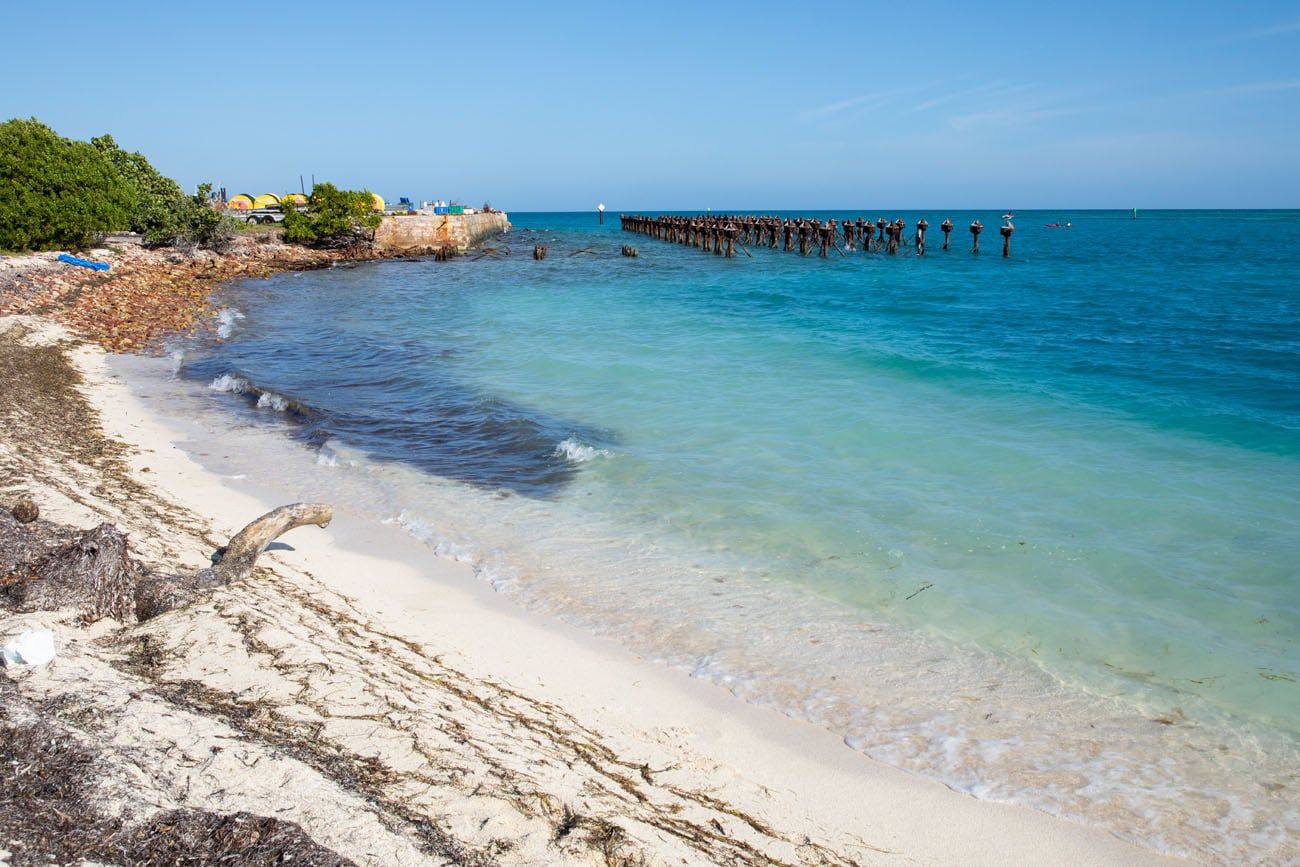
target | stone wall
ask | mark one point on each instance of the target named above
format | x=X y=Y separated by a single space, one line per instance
x=428 y=232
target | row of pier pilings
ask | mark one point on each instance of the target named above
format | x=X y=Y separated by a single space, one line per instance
x=722 y=234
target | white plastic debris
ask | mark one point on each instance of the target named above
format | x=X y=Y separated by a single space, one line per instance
x=33 y=647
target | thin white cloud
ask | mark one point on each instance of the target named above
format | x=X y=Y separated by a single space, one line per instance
x=834 y=107
x=1279 y=29
x=991 y=90
x=1252 y=87
x=867 y=99
x=1010 y=116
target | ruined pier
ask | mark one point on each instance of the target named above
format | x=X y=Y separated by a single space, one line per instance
x=722 y=234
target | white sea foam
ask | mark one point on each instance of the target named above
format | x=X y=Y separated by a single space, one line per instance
x=177 y=357
x=226 y=319
x=229 y=383
x=426 y=533
x=494 y=572
x=578 y=452
x=330 y=456
x=273 y=401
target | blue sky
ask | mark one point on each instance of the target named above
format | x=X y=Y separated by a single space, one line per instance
x=541 y=106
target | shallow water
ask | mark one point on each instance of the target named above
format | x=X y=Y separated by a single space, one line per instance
x=1027 y=525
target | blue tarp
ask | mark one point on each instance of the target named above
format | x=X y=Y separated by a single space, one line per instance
x=84 y=263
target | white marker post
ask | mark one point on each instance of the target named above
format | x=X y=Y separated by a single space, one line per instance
x=601 y=209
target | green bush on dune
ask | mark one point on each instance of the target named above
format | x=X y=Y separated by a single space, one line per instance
x=58 y=193
x=333 y=218
x=164 y=216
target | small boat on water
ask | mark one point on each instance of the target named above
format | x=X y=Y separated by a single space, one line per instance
x=1059 y=224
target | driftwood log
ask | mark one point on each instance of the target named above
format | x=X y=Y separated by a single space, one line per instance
x=47 y=567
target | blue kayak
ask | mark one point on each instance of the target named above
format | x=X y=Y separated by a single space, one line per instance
x=84 y=263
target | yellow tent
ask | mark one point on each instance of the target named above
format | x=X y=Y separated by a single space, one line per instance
x=293 y=199
x=241 y=202
x=266 y=200
x=379 y=201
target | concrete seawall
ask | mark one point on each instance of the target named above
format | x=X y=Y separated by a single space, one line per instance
x=428 y=232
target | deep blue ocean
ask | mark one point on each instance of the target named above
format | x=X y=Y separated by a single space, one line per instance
x=1030 y=525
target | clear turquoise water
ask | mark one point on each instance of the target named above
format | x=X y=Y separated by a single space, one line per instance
x=883 y=493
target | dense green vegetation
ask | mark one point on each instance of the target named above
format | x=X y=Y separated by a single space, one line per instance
x=56 y=192
x=199 y=223
x=163 y=214
x=333 y=218
x=59 y=193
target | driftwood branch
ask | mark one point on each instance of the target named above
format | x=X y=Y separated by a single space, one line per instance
x=241 y=554
x=158 y=594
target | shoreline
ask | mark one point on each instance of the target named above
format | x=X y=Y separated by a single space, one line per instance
x=792 y=779
x=150 y=295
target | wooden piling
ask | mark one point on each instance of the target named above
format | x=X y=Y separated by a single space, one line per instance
x=720 y=234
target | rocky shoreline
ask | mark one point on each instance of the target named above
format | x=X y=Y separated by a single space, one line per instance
x=148 y=295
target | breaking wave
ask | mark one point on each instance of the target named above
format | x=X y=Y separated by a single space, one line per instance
x=226 y=319
x=578 y=452
x=229 y=383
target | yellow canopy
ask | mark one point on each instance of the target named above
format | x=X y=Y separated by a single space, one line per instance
x=293 y=199
x=266 y=200
x=379 y=201
x=241 y=202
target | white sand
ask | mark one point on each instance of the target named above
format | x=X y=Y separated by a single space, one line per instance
x=492 y=720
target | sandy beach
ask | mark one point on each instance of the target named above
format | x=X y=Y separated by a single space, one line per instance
x=400 y=712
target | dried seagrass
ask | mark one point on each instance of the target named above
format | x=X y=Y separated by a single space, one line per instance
x=44 y=567
x=91 y=572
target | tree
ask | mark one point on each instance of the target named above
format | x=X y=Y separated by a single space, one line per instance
x=164 y=215
x=202 y=224
x=156 y=215
x=333 y=218
x=56 y=192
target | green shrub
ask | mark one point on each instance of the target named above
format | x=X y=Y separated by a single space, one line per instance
x=164 y=216
x=55 y=192
x=202 y=224
x=158 y=214
x=333 y=218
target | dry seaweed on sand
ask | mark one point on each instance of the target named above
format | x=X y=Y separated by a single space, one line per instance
x=48 y=812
